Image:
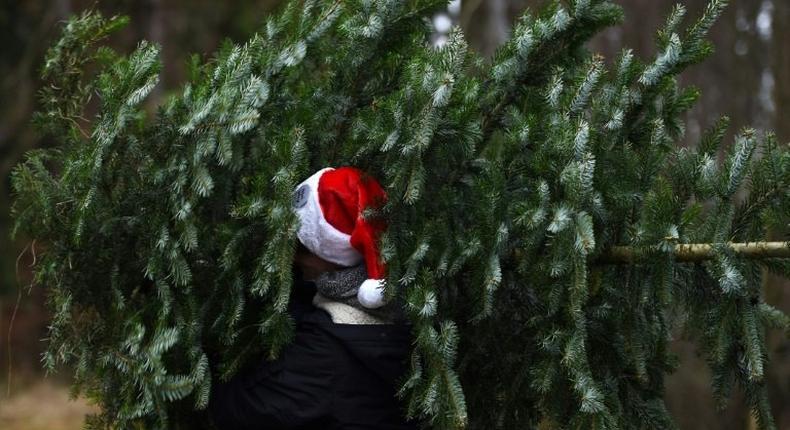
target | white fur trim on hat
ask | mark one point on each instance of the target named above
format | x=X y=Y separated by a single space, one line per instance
x=315 y=232
x=371 y=293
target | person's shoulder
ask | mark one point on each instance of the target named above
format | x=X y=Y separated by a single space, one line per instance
x=390 y=332
x=371 y=332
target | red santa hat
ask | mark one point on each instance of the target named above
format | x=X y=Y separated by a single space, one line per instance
x=331 y=207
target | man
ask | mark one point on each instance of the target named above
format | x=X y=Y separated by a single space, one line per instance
x=349 y=351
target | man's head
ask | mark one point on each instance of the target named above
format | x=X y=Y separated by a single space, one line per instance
x=333 y=206
x=311 y=265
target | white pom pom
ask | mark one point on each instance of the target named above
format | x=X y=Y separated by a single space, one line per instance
x=371 y=293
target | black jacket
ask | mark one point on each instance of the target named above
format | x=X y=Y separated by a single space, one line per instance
x=331 y=377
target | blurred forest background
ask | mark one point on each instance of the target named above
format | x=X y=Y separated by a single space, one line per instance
x=748 y=79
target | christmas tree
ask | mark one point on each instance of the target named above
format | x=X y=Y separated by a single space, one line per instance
x=547 y=233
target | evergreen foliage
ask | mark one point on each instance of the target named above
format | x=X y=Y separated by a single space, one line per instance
x=169 y=235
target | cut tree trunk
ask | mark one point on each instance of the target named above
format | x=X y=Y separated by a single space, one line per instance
x=695 y=252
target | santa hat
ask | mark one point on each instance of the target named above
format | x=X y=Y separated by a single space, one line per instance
x=331 y=207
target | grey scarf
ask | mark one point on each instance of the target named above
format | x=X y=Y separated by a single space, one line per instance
x=342 y=286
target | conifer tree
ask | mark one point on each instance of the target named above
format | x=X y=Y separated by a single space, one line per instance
x=169 y=235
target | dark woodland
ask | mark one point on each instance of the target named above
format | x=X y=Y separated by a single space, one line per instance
x=747 y=79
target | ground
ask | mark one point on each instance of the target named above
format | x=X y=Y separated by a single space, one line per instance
x=43 y=405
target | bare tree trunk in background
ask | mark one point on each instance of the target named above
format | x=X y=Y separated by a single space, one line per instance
x=781 y=58
x=156 y=34
x=486 y=24
x=64 y=8
x=642 y=19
